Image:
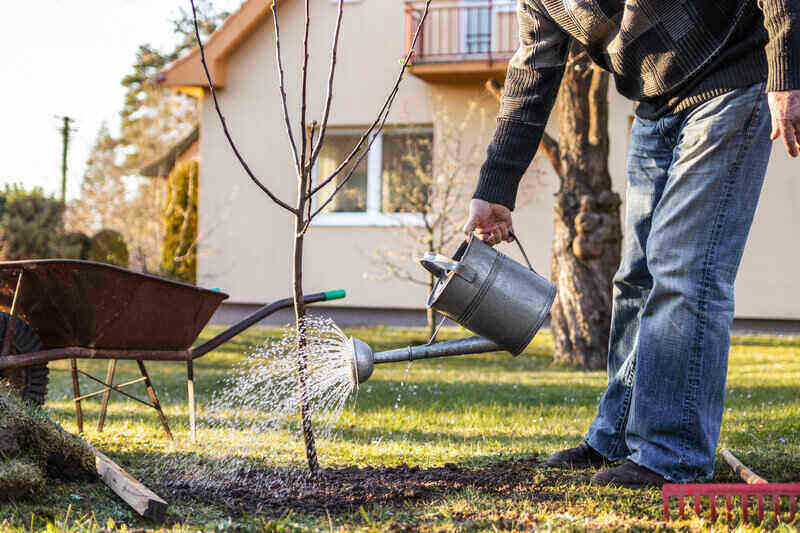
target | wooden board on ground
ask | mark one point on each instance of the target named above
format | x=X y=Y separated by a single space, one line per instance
x=146 y=502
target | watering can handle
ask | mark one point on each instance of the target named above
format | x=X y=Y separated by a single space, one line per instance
x=461 y=249
x=513 y=236
x=439 y=265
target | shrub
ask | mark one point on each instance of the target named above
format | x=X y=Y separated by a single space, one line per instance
x=31 y=224
x=75 y=245
x=179 y=259
x=108 y=246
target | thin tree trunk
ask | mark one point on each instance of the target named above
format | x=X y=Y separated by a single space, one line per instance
x=300 y=317
x=431 y=314
x=304 y=162
x=587 y=239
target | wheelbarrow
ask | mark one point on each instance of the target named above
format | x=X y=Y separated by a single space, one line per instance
x=72 y=309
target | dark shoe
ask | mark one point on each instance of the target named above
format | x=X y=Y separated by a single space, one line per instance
x=629 y=475
x=582 y=456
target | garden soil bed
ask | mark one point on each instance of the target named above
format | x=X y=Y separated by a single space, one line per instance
x=346 y=489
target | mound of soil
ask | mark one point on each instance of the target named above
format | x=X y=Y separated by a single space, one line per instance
x=347 y=489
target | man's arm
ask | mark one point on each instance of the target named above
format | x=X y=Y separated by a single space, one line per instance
x=532 y=81
x=782 y=21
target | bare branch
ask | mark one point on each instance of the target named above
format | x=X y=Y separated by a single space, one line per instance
x=282 y=87
x=303 y=104
x=224 y=124
x=494 y=88
x=391 y=263
x=379 y=122
x=309 y=181
x=329 y=96
x=598 y=107
x=549 y=147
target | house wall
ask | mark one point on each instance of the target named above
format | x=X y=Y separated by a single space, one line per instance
x=245 y=240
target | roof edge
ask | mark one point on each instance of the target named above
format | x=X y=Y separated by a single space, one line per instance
x=188 y=70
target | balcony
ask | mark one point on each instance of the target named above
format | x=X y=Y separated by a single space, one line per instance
x=462 y=40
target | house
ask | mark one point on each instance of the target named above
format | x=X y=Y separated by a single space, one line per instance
x=185 y=149
x=245 y=240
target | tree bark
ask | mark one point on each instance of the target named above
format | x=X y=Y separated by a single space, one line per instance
x=587 y=237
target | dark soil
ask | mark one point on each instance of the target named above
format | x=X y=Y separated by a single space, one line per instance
x=346 y=489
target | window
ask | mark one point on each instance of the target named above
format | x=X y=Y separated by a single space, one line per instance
x=352 y=198
x=477 y=29
x=386 y=188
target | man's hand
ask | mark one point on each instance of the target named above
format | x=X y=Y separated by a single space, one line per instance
x=490 y=222
x=784 y=107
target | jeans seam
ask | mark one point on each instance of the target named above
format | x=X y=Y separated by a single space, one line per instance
x=622 y=421
x=719 y=221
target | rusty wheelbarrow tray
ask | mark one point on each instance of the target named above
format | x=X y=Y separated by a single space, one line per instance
x=83 y=309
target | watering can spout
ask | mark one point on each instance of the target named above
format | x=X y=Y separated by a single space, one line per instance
x=364 y=359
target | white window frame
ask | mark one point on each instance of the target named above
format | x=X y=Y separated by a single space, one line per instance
x=373 y=216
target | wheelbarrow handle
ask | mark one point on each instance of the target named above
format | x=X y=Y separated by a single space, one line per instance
x=259 y=315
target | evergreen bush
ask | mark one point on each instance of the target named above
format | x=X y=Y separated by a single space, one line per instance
x=179 y=259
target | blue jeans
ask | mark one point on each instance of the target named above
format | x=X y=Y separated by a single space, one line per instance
x=694 y=179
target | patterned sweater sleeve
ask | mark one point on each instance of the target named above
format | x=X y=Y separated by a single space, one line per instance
x=782 y=21
x=532 y=81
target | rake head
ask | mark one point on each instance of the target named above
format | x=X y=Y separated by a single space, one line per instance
x=731 y=492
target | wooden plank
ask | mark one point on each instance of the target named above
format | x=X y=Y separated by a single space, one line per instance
x=146 y=502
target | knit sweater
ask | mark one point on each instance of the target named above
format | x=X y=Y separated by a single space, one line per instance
x=666 y=55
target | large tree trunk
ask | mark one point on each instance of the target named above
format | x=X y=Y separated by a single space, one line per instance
x=586 y=243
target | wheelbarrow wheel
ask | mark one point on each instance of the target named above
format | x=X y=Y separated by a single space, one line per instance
x=30 y=382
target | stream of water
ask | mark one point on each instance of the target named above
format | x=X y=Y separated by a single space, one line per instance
x=250 y=429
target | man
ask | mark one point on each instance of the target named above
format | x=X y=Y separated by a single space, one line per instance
x=710 y=77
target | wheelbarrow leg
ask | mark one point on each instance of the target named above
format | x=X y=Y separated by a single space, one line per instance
x=6 y=348
x=76 y=392
x=190 y=391
x=153 y=398
x=112 y=366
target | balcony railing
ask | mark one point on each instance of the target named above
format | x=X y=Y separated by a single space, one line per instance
x=463 y=30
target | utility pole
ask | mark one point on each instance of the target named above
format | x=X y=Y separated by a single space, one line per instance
x=65 y=131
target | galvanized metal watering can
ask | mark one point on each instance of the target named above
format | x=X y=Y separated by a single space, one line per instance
x=484 y=291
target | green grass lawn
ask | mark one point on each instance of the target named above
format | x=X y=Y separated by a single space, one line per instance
x=472 y=411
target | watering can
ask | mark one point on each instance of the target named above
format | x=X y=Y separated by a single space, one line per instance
x=483 y=290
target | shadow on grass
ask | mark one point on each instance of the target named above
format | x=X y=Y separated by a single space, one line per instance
x=765 y=341
x=463 y=395
x=366 y=437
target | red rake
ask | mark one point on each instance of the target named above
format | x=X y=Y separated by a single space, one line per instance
x=756 y=486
